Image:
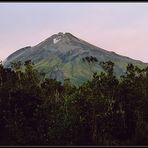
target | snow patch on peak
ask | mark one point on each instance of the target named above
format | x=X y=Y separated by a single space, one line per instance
x=56 y=40
x=58 y=37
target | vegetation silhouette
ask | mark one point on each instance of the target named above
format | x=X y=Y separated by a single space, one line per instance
x=105 y=110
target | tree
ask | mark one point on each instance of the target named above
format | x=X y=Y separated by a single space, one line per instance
x=91 y=61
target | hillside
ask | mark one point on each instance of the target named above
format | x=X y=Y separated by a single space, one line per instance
x=61 y=56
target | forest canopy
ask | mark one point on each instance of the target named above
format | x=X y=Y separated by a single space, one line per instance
x=106 y=110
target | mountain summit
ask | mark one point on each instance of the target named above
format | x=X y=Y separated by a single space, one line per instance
x=65 y=51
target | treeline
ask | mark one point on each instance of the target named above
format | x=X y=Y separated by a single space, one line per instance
x=35 y=110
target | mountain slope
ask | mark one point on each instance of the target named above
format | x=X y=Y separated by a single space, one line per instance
x=64 y=52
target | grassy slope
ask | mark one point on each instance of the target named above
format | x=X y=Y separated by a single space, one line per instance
x=76 y=70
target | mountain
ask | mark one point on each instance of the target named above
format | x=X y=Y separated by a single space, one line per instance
x=60 y=57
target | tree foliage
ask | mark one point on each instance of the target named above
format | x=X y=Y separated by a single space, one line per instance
x=103 y=111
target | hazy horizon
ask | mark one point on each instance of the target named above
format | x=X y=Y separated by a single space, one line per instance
x=118 y=27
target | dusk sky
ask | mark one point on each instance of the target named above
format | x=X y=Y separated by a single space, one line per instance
x=118 y=27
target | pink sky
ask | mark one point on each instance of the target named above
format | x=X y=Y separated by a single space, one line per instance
x=118 y=27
